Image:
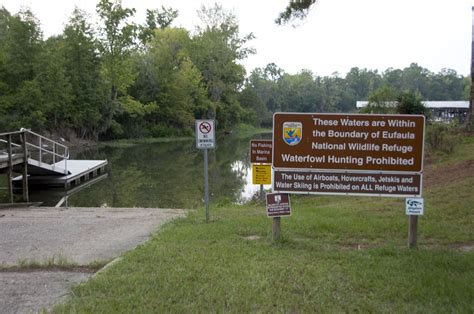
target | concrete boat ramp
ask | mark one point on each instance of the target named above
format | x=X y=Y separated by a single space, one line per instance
x=76 y=235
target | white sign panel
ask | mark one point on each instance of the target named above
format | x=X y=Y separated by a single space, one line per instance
x=205 y=134
x=414 y=206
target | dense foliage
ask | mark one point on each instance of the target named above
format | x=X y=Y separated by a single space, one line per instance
x=118 y=79
x=270 y=89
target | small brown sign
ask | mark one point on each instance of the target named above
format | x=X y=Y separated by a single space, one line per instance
x=350 y=183
x=261 y=151
x=348 y=141
x=278 y=204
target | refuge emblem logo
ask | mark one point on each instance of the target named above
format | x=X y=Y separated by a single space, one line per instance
x=292 y=133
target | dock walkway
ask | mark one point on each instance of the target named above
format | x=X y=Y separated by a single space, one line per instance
x=42 y=162
x=79 y=171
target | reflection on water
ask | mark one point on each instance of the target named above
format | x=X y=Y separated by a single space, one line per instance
x=166 y=175
x=249 y=190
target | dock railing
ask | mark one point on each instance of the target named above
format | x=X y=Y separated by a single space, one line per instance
x=37 y=147
x=13 y=152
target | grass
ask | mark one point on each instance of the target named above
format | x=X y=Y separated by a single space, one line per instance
x=246 y=130
x=240 y=130
x=138 y=141
x=56 y=262
x=463 y=151
x=337 y=254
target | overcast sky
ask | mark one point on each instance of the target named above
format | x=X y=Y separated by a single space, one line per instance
x=337 y=35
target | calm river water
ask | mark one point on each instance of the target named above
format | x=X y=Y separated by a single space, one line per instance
x=165 y=175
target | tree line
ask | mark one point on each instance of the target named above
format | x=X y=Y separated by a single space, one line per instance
x=119 y=79
x=270 y=89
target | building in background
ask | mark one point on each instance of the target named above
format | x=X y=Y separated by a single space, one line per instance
x=443 y=111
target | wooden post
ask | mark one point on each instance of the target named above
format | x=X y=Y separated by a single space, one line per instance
x=412 y=230
x=26 y=197
x=276 y=228
x=10 y=168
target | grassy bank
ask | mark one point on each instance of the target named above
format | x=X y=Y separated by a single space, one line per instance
x=338 y=254
x=240 y=131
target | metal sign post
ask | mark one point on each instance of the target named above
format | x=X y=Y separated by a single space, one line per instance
x=206 y=185
x=205 y=139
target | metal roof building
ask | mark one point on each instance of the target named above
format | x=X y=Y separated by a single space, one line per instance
x=444 y=111
x=429 y=104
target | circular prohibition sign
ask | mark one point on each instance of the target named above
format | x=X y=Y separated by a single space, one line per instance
x=205 y=127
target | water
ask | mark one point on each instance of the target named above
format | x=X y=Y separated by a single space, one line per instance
x=165 y=175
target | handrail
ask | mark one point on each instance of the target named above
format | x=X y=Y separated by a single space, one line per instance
x=54 y=153
x=11 y=133
x=45 y=138
x=4 y=141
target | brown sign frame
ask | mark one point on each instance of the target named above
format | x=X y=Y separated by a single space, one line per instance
x=260 y=153
x=395 y=143
x=272 y=207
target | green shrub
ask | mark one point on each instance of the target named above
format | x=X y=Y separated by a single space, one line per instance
x=441 y=137
x=161 y=130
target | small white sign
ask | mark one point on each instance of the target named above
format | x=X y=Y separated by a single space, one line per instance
x=205 y=134
x=414 y=206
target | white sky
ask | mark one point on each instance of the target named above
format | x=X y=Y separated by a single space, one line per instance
x=337 y=35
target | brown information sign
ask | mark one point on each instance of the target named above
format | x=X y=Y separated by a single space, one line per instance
x=348 y=141
x=261 y=151
x=278 y=204
x=351 y=183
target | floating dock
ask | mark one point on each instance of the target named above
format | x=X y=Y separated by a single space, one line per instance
x=43 y=163
x=79 y=171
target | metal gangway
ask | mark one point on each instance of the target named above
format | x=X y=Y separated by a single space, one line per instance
x=43 y=162
x=45 y=156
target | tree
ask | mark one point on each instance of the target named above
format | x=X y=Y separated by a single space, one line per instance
x=296 y=9
x=362 y=81
x=56 y=102
x=82 y=66
x=116 y=45
x=216 y=49
x=156 y=19
x=169 y=80
x=382 y=100
x=410 y=102
x=20 y=50
x=182 y=94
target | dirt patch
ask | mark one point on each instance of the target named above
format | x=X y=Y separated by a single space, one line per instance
x=252 y=238
x=464 y=247
x=434 y=176
x=357 y=246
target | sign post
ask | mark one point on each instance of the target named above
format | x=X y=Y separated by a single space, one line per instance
x=278 y=205
x=205 y=139
x=349 y=154
x=414 y=208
